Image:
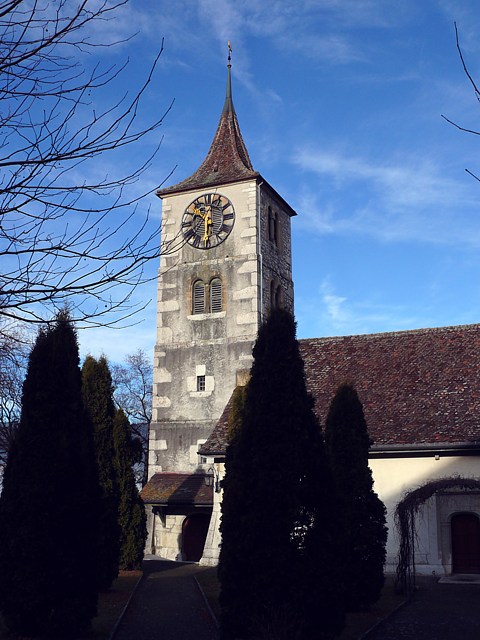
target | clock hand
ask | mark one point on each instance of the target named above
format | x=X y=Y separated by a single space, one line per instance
x=197 y=212
x=208 y=225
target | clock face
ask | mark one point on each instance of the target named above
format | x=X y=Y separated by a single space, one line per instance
x=208 y=221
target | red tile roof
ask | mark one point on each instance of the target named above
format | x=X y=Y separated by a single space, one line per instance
x=417 y=387
x=177 y=488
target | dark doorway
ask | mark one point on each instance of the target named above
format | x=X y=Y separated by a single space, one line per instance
x=465 y=543
x=194 y=534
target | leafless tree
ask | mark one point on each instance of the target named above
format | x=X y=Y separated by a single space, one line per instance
x=133 y=387
x=476 y=92
x=14 y=349
x=65 y=231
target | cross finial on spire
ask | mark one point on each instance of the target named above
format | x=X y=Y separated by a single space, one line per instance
x=228 y=102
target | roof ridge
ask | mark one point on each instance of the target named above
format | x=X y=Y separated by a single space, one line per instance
x=421 y=330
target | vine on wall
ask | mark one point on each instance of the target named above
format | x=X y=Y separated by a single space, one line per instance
x=405 y=521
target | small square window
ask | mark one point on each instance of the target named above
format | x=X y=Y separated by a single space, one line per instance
x=200 y=383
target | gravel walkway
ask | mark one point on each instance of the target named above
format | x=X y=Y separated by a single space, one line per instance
x=167 y=605
x=437 y=611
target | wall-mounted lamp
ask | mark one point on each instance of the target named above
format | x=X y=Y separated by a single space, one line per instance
x=212 y=479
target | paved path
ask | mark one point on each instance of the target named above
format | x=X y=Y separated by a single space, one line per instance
x=437 y=611
x=167 y=605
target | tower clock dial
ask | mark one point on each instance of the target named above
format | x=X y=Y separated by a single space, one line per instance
x=208 y=221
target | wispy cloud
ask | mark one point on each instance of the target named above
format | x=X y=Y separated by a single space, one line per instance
x=409 y=201
x=330 y=313
x=334 y=305
x=312 y=29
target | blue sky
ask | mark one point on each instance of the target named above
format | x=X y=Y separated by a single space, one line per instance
x=340 y=104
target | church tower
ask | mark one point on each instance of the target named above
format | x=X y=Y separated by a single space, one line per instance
x=226 y=262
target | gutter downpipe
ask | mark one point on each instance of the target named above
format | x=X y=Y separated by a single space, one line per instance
x=259 y=253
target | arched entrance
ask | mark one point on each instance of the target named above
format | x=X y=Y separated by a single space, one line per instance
x=405 y=520
x=465 y=529
x=194 y=534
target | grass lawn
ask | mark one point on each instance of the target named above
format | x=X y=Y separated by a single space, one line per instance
x=357 y=623
x=110 y=606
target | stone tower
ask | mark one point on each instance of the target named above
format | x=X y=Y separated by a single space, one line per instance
x=226 y=234
x=226 y=261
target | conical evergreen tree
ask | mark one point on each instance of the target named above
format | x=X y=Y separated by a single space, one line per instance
x=363 y=512
x=278 y=563
x=48 y=508
x=131 y=513
x=98 y=398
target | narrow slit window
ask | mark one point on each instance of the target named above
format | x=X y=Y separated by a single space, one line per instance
x=278 y=298
x=198 y=297
x=272 y=295
x=270 y=224
x=216 y=302
x=273 y=229
x=200 y=383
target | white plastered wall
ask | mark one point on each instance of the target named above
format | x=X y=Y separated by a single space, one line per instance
x=394 y=477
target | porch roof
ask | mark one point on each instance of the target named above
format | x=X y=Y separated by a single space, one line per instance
x=178 y=488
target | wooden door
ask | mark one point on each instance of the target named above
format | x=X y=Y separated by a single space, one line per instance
x=465 y=543
x=194 y=534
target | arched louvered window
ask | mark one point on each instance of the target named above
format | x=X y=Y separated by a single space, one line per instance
x=216 y=302
x=198 y=297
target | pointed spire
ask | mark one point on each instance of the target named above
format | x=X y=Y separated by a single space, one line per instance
x=228 y=106
x=228 y=159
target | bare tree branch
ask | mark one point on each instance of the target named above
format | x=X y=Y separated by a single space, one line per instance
x=14 y=349
x=133 y=388
x=68 y=235
x=477 y=95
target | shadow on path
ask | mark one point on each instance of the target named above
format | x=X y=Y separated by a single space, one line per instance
x=167 y=604
x=436 y=611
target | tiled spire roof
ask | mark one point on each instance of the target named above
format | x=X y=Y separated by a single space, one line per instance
x=227 y=160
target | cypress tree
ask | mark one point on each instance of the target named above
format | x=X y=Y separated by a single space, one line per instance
x=364 y=514
x=131 y=512
x=278 y=562
x=48 y=511
x=98 y=398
